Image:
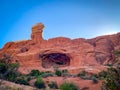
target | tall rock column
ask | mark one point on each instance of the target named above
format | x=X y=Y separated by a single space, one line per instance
x=37 y=31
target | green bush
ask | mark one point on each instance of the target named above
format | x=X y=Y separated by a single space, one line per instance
x=35 y=73
x=53 y=85
x=39 y=83
x=11 y=76
x=13 y=66
x=58 y=72
x=29 y=78
x=68 y=86
x=8 y=71
x=3 y=68
x=22 y=80
x=102 y=74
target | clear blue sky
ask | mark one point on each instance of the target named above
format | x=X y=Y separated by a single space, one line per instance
x=68 y=18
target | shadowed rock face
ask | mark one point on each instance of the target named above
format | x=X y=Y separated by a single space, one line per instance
x=41 y=54
x=55 y=60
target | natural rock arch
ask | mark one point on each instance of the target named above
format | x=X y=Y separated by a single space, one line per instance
x=55 y=60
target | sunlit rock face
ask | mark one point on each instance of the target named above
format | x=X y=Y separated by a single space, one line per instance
x=61 y=52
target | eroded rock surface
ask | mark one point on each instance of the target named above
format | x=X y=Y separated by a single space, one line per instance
x=61 y=52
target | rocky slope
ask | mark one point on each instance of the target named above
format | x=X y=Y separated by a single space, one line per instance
x=62 y=52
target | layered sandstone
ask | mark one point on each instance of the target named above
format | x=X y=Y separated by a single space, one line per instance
x=65 y=53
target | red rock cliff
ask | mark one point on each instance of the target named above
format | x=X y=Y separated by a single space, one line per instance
x=61 y=52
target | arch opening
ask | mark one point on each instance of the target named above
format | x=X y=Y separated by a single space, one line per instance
x=55 y=60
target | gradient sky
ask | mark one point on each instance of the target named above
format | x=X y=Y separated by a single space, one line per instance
x=68 y=18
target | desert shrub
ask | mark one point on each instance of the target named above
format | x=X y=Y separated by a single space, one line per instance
x=112 y=80
x=13 y=66
x=3 y=68
x=102 y=74
x=83 y=73
x=39 y=83
x=53 y=85
x=94 y=80
x=44 y=75
x=65 y=71
x=28 y=78
x=11 y=76
x=35 y=73
x=8 y=70
x=68 y=86
x=58 y=72
x=22 y=80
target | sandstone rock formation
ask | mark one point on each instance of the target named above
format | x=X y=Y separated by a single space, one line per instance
x=37 y=31
x=72 y=54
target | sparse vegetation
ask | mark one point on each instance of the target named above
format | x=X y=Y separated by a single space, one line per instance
x=112 y=80
x=35 y=73
x=112 y=75
x=11 y=76
x=8 y=70
x=102 y=74
x=45 y=75
x=68 y=86
x=22 y=80
x=53 y=85
x=58 y=72
x=39 y=83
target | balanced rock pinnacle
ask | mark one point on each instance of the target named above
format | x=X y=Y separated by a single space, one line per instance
x=37 y=31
